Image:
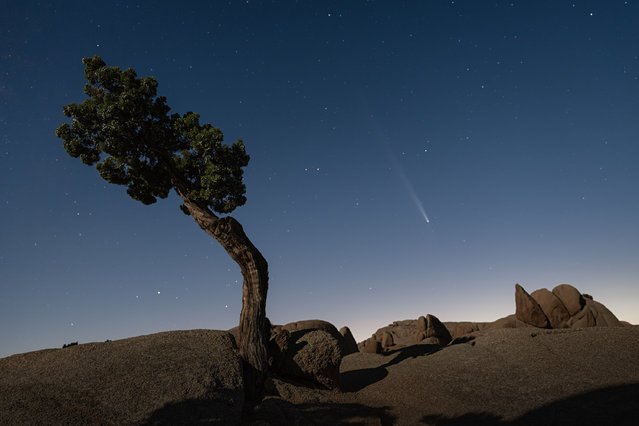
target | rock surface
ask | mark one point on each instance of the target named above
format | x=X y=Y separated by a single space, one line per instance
x=570 y=297
x=371 y=346
x=552 y=306
x=437 y=331
x=173 y=377
x=314 y=324
x=528 y=310
x=522 y=376
x=313 y=356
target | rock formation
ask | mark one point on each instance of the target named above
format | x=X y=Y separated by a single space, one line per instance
x=310 y=351
x=312 y=356
x=528 y=310
x=387 y=340
x=371 y=346
x=570 y=297
x=564 y=307
x=349 y=345
x=431 y=330
x=552 y=306
x=424 y=330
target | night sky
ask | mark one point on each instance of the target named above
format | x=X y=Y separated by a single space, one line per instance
x=406 y=158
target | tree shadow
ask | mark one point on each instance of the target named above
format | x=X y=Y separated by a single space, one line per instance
x=614 y=405
x=210 y=411
x=412 y=351
x=355 y=380
x=346 y=414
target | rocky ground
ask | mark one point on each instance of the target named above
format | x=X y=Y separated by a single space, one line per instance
x=507 y=376
x=579 y=367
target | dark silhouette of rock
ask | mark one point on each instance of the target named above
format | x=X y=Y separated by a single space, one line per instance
x=570 y=297
x=528 y=310
x=554 y=309
x=349 y=345
x=313 y=356
x=192 y=376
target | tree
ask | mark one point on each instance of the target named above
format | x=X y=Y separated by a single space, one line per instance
x=125 y=130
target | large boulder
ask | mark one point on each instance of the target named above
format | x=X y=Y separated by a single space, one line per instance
x=371 y=346
x=554 y=309
x=312 y=356
x=176 y=377
x=349 y=345
x=300 y=327
x=431 y=330
x=462 y=329
x=570 y=297
x=528 y=310
x=402 y=332
x=387 y=340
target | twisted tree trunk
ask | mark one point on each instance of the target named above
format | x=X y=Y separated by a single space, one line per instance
x=253 y=344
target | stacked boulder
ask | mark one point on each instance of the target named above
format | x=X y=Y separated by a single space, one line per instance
x=310 y=351
x=424 y=330
x=563 y=307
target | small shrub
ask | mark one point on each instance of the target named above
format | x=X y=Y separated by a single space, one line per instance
x=69 y=344
x=587 y=296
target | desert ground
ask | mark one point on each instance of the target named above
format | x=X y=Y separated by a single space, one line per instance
x=561 y=359
x=493 y=376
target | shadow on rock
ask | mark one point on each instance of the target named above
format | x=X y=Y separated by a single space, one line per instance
x=190 y=412
x=615 y=405
x=356 y=380
x=347 y=414
x=482 y=419
x=353 y=381
x=413 y=351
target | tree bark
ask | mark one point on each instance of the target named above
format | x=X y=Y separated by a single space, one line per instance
x=254 y=332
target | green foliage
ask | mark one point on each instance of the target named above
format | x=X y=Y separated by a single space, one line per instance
x=125 y=130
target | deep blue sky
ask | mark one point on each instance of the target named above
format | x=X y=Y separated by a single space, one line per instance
x=512 y=124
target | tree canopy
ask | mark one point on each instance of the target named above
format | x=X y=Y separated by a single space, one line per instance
x=125 y=130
